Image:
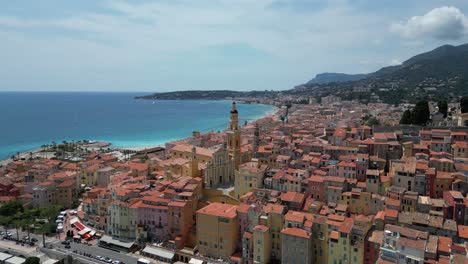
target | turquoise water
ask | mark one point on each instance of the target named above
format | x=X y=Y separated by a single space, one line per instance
x=29 y=120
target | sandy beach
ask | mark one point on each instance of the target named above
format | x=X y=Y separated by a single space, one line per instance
x=97 y=145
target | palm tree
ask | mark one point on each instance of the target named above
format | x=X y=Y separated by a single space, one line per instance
x=16 y=222
x=43 y=230
x=5 y=221
x=26 y=224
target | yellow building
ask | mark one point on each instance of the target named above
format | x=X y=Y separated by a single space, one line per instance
x=361 y=226
x=460 y=149
x=409 y=201
x=273 y=217
x=185 y=151
x=248 y=177
x=220 y=170
x=66 y=194
x=320 y=239
x=340 y=243
x=262 y=244
x=187 y=160
x=297 y=246
x=234 y=139
x=358 y=202
x=217 y=230
x=89 y=175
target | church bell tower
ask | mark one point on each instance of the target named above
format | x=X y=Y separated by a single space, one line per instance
x=233 y=134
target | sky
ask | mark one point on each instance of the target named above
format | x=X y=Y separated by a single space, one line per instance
x=168 y=45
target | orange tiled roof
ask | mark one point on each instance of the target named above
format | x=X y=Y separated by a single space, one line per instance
x=297 y=232
x=219 y=209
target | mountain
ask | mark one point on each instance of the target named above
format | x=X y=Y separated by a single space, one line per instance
x=329 y=77
x=442 y=62
x=206 y=95
x=440 y=74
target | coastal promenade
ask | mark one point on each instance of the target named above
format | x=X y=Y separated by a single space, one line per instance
x=34 y=153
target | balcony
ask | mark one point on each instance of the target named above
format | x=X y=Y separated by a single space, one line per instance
x=388 y=254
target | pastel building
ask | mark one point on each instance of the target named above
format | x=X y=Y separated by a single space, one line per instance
x=44 y=194
x=248 y=177
x=273 y=217
x=220 y=169
x=262 y=244
x=66 y=194
x=122 y=220
x=152 y=214
x=296 y=246
x=217 y=230
x=403 y=245
x=180 y=221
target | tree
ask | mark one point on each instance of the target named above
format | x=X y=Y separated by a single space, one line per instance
x=387 y=164
x=406 y=118
x=421 y=113
x=443 y=107
x=464 y=104
x=33 y=260
x=5 y=221
x=373 y=121
x=11 y=208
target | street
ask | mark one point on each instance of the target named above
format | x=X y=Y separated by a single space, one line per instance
x=22 y=234
x=97 y=251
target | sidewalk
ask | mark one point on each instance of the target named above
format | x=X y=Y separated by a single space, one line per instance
x=11 y=245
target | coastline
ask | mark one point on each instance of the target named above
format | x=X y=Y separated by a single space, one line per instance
x=39 y=151
x=268 y=114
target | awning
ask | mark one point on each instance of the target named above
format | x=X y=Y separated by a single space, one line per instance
x=92 y=233
x=84 y=231
x=73 y=221
x=195 y=261
x=110 y=240
x=79 y=226
x=166 y=254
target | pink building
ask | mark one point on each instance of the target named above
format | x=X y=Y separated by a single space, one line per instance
x=180 y=221
x=347 y=169
x=152 y=213
x=315 y=188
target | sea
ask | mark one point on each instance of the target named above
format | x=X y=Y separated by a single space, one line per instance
x=31 y=119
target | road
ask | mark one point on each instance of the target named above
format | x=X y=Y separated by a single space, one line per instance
x=96 y=251
x=22 y=234
x=56 y=243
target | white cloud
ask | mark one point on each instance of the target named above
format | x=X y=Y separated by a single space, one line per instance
x=394 y=62
x=156 y=42
x=443 y=23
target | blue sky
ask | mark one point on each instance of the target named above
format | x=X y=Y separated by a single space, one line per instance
x=165 y=45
